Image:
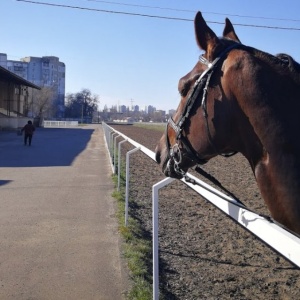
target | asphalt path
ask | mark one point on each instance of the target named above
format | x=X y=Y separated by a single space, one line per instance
x=58 y=231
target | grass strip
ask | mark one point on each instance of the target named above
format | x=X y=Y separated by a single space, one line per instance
x=158 y=127
x=137 y=250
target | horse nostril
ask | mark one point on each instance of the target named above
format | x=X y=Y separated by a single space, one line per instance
x=157 y=156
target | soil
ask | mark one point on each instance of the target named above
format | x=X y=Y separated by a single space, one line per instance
x=203 y=253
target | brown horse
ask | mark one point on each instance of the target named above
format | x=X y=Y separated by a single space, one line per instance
x=240 y=99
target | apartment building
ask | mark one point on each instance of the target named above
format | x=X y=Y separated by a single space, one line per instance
x=46 y=71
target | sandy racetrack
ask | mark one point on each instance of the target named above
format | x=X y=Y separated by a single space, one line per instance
x=203 y=253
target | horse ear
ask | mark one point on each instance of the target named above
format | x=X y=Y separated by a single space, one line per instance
x=229 y=31
x=205 y=37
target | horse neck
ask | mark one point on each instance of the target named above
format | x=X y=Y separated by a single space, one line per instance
x=272 y=147
x=277 y=176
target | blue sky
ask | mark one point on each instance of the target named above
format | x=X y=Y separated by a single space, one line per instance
x=132 y=59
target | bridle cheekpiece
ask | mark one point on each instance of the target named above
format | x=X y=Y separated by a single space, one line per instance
x=201 y=85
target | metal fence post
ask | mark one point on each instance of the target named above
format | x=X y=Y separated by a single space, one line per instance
x=119 y=162
x=112 y=144
x=109 y=142
x=155 y=188
x=107 y=132
x=127 y=182
x=115 y=154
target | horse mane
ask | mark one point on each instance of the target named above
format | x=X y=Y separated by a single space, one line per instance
x=283 y=62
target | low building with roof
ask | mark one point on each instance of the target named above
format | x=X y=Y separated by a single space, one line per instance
x=14 y=93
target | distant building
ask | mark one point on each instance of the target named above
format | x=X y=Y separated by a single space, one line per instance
x=171 y=112
x=151 y=109
x=46 y=71
x=122 y=109
x=161 y=112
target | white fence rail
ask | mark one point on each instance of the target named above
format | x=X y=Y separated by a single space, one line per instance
x=285 y=243
x=60 y=123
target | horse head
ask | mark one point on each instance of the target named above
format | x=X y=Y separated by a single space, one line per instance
x=239 y=99
x=196 y=132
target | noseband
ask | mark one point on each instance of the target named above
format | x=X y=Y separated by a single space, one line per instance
x=201 y=85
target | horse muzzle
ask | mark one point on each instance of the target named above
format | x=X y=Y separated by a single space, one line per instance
x=168 y=165
x=171 y=169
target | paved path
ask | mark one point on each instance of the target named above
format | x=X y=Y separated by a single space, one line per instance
x=58 y=233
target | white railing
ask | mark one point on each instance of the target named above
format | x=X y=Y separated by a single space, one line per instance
x=281 y=240
x=60 y=123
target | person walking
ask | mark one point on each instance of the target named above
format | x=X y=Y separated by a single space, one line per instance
x=28 y=132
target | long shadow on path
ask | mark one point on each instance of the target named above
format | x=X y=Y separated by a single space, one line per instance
x=50 y=147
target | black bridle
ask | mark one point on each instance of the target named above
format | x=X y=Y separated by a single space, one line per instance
x=201 y=85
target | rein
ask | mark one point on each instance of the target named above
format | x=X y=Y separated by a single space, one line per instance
x=235 y=201
x=201 y=85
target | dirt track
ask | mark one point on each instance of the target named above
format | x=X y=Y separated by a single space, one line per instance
x=203 y=254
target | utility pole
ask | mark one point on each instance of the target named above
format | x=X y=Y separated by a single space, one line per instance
x=131 y=101
x=98 y=110
x=82 y=110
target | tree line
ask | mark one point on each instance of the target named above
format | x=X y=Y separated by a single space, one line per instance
x=43 y=104
x=81 y=106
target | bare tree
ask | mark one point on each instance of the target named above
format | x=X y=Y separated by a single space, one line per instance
x=42 y=102
x=81 y=105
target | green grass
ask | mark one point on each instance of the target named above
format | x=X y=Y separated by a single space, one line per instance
x=136 y=249
x=159 y=127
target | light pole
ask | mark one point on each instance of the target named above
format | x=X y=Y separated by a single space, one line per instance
x=83 y=102
x=98 y=110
